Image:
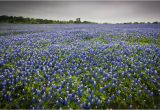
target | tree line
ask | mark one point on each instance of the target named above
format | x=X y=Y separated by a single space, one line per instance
x=23 y=20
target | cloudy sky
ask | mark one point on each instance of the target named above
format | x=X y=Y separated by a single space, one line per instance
x=97 y=11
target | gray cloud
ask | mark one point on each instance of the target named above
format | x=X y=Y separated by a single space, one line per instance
x=99 y=11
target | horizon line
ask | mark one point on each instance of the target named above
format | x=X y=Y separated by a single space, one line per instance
x=85 y=20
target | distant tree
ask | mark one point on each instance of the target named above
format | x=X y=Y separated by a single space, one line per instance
x=71 y=21
x=142 y=23
x=128 y=23
x=155 y=22
x=78 y=20
x=107 y=23
x=21 y=19
x=135 y=23
x=86 y=22
x=4 y=18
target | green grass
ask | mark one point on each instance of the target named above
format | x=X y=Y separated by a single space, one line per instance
x=2 y=33
x=96 y=39
x=142 y=40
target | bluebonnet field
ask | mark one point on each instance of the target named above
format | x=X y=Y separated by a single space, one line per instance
x=80 y=66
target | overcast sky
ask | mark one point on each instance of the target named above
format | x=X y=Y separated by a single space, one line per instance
x=106 y=11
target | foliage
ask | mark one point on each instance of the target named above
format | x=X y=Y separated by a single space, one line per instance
x=22 y=20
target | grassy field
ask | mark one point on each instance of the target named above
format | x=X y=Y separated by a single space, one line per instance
x=80 y=66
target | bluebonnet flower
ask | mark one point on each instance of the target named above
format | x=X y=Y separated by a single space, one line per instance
x=112 y=97
x=151 y=93
x=101 y=89
x=115 y=75
x=70 y=97
x=94 y=84
x=78 y=102
x=80 y=92
x=98 y=102
x=44 y=97
x=108 y=102
x=57 y=103
x=130 y=96
x=36 y=79
x=40 y=102
x=125 y=89
x=140 y=92
x=38 y=92
x=89 y=104
x=65 y=102
x=90 y=98
x=84 y=105
x=33 y=99
x=113 y=85
x=118 y=93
